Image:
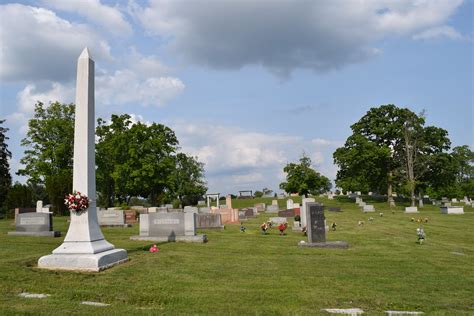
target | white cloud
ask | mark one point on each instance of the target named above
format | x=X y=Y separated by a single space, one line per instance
x=248 y=178
x=38 y=45
x=285 y=35
x=108 y=17
x=126 y=86
x=237 y=159
x=438 y=32
x=28 y=97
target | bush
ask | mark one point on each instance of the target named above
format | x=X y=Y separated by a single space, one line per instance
x=297 y=218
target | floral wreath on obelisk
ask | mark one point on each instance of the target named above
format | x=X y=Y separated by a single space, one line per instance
x=76 y=202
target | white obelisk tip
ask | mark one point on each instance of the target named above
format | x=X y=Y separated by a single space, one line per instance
x=85 y=53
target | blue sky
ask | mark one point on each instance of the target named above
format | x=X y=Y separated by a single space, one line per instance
x=246 y=85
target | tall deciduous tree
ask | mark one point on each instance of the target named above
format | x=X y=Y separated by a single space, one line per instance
x=5 y=154
x=134 y=160
x=389 y=146
x=188 y=179
x=301 y=178
x=48 y=157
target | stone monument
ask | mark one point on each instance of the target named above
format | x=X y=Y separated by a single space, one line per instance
x=316 y=229
x=34 y=224
x=175 y=226
x=84 y=247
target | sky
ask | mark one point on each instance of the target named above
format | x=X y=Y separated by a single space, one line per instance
x=250 y=85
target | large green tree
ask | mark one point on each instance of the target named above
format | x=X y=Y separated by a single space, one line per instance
x=49 y=151
x=188 y=180
x=389 y=147
x=134 y=160
x=5 y=154
x=301 y=178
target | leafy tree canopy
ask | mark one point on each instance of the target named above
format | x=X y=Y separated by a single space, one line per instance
x=301 y=178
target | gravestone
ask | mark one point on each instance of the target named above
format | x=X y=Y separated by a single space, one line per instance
x=289 y=204
x=260 y=207
x=40 y=208
x=169 y=227
x=34 y=224
x=275 y=202
x=452 y=210
x=411 y=209
x=209 y=221
x=130 y=217
x=278 y=220
x=303 y=210
x=272 y=209
x=22 y=210
x=287 y=213
x=111 y=218
x=84 y=247
x=204 y=210
x=201 y=203
x=248 y=212
x=228 y=215
x=368 y=208
x=316 y=229
x=190 y=209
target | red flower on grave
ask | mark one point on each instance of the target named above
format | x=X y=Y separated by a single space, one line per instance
x=76 y=202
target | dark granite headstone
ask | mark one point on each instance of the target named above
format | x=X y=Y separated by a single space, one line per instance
x=287 y=213
x=316 y=230
x=249 y=212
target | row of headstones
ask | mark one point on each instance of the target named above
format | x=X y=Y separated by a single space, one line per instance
x=445 y=209
x=365 y=207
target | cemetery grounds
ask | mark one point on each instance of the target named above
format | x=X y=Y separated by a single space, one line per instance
x=251 y=273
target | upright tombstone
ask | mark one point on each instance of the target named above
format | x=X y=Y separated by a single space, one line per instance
x=176 y=226
x=290 y=204
x=228 y=201
x=84 y=247
x=303 y=210
x=275 y=202
x=34 y=224
x=316 y=228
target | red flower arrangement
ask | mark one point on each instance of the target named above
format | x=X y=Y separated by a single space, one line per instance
x=282 y=227
x=76 y=202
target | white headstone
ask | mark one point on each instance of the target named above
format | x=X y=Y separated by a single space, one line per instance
x=39 y=206
x=289 y=204
x=303 y=210
x=411 y=209
x=84 y=247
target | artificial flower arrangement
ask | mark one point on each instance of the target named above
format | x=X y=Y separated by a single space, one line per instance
x=76 y=202
x=282 y=227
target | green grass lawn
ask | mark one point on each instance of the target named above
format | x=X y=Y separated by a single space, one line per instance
x=250 y=273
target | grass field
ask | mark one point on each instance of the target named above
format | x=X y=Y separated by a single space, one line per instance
x=251 y=273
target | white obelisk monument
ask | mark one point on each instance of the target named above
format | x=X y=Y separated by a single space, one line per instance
x=84 y=247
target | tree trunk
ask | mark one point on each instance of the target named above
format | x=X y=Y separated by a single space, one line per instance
x=390 y=200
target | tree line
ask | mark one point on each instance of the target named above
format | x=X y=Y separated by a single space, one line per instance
x=390 y=150
x=132 y=160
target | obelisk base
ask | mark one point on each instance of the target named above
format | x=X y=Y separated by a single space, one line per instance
x=84 y=262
